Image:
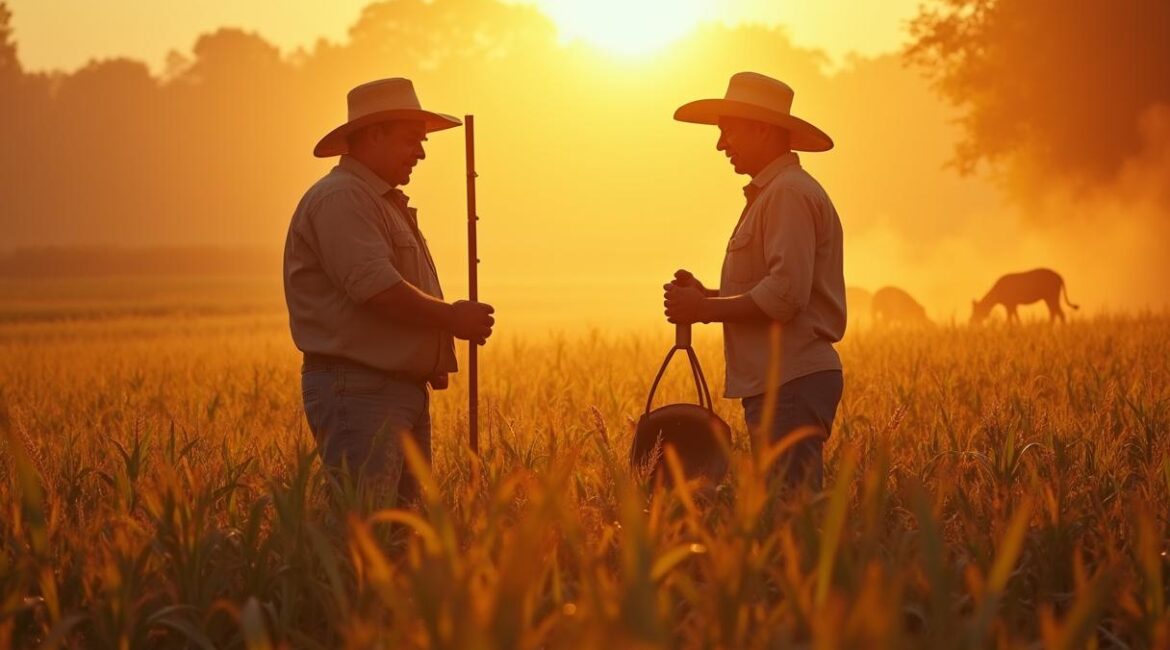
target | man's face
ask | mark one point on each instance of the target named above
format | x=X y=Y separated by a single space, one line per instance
x=740 y=141
x=399 y=146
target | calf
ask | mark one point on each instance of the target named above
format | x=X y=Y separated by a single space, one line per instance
x=1015 y=289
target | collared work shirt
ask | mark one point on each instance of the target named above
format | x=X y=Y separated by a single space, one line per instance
x=786 y=254
x=353 y=236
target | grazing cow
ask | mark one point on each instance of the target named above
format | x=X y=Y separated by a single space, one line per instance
x=1015 y=289
x=892 y=305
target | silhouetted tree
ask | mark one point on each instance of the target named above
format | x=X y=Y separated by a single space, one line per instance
x=217 y=147
x=230 y=55
x=458 y=31
x=1061 y=86
x=24 y=113
x=111 y=81
x=9 y=63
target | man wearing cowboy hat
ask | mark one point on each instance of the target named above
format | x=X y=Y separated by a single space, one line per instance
x=364 y=301
x=782 y=268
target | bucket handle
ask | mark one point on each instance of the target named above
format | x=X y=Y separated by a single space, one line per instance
x=682 y=341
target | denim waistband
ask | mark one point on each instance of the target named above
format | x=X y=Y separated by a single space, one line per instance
x=317 y=361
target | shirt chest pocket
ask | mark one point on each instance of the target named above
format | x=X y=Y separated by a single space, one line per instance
x=740 y=263
x=407 y=256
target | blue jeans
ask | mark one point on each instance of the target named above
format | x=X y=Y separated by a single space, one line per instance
x=809 y=401
x=358 y=414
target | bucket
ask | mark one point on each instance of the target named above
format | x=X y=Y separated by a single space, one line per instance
x=698 y=436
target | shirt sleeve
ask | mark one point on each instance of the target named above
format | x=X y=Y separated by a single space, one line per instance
x=352 y=244
x=789 y=240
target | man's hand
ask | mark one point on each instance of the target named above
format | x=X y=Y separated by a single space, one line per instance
x=471 y=321
x=685 y=278
x=684 y=304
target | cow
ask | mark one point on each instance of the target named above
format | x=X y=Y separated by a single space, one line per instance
x=892 y=305
x=1015 y=289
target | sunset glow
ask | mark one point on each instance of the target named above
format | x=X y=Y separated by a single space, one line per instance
x=623 y=26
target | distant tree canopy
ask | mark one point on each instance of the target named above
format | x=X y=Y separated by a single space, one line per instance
x=1055 y=85
x=9 y=64
x=216 y=146
x=576 y=146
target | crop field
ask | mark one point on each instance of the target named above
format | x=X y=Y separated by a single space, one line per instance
x=985 y=487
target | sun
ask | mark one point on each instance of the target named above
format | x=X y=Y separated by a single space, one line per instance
x=627 y=27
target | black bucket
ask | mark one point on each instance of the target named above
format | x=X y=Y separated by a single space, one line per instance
x=698 y=436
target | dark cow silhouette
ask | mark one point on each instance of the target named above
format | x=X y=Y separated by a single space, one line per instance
x=892 y=305
x=1015 y=289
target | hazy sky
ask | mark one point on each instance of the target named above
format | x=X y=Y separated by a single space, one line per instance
x=648 y=193
x=67 y=33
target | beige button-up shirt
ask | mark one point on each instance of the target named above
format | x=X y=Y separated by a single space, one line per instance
x=786 y=253
x=353 y=236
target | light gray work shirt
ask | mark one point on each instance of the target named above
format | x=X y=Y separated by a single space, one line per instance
x=786 y=253
x=353 y=236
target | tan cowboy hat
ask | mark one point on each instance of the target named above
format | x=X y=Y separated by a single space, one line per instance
x=380 y=101
x=752 y=96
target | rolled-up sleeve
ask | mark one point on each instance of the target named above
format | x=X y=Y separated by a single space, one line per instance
x=789 y=241
x=353 y=244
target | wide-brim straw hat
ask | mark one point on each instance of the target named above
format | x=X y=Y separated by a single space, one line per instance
x=753 y=96
x=383 y=100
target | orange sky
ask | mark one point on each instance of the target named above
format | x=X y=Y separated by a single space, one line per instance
x=591 y=196
x=61 y=33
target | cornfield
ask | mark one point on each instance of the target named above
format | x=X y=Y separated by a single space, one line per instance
x=985 y=487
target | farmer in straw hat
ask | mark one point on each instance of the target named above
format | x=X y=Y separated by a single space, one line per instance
x=783 y=266
x=364 y=302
